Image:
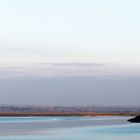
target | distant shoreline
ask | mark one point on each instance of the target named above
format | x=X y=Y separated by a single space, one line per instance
x=65 y=114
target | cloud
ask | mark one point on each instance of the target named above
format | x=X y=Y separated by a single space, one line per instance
x=72 y=64
x=50 y=69
x=67 y=69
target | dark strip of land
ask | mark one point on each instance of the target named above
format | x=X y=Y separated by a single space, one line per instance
x=67 y=114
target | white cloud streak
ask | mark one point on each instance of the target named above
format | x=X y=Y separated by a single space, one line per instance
x=67 y=69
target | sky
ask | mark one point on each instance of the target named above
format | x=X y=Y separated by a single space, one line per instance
x=69 y=41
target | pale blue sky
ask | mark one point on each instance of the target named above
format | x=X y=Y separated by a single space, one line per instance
x=57 y=31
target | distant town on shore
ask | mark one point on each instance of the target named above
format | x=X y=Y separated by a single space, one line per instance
x=44 y=109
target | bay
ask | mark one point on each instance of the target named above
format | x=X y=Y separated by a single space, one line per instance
x=68 y=128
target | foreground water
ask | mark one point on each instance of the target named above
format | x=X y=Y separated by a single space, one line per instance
x=68 y=128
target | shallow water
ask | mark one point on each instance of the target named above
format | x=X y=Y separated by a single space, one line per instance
x=68 y=128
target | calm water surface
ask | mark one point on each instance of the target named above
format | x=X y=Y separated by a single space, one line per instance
x=68 y=128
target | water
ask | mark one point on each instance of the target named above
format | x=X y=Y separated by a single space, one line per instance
x=68 y=128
